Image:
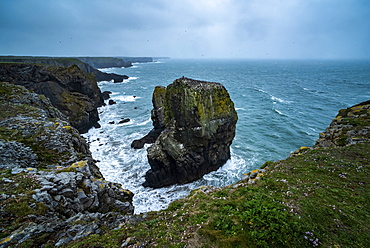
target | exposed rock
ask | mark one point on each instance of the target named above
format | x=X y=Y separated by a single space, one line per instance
x=73 y=92
x=48 y=171
x=65 y=62
x=351 y=126
x=124 y=120
x=111 y=102
x=199 y=122
x=106 y=95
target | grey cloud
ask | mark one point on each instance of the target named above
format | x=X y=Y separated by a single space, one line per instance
x=190 y=28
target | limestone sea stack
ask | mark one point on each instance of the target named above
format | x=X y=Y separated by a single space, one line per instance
x=196 y=123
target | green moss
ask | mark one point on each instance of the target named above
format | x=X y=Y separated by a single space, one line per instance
x=197 y=105
x=68 y=169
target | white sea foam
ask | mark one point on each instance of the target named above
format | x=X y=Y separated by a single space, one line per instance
x=124 y=98
x=279 y=112
x=144 y=122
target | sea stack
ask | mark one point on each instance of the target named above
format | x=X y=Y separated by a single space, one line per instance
x=196 y=124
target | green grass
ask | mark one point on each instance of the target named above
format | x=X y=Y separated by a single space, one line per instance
x=317 y=199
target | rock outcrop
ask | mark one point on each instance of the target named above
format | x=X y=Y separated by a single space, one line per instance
x=51 y=187
x=198 y=122
x=73 y=92
x=350 y=126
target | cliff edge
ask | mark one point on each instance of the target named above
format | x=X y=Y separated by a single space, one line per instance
x=51 y=190
x=317 y=197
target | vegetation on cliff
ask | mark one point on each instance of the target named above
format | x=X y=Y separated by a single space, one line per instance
x=315 y=198
x=75 y=93
x=50 y=189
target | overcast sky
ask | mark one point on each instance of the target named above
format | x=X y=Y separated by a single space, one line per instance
x=262 y=29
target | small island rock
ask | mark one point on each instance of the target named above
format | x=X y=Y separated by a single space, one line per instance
x=196 y=123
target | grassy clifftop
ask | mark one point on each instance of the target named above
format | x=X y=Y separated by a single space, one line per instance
x=315 y=198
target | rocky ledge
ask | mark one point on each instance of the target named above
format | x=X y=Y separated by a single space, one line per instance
x=195 y=124
x=51 y=190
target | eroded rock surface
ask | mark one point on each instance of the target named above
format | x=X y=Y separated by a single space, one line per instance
x=350 y=126
x=51 y=187
x=196 y=123
x=73 y=92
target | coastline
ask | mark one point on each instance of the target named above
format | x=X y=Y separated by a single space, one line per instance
x=323 y=179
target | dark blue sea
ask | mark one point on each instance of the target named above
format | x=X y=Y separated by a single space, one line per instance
x=282 y=105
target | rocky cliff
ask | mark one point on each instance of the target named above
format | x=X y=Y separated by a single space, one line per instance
x=65 y=62
x=105 y=62
x=350 y=126
x=51 y=190
x=137 y=59
x=75 y=93
x=197 y=122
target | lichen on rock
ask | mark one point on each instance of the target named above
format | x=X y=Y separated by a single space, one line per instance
x=49 y=176
x=70 y=90
x=350 y=126
x=198 y=122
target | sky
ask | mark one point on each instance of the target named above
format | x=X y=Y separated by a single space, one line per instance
x=251 y=29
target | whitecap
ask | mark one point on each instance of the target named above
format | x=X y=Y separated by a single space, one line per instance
x=279 y=112
x=129 y=79
x=125 y=98
x=144 y=122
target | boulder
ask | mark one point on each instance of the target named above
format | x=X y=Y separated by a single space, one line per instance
x=197 y=121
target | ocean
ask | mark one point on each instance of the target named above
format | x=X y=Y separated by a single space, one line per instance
x=282 y=105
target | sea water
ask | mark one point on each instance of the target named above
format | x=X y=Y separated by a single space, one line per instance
x=282 y=105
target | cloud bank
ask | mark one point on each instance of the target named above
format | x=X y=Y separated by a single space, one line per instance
x=262 y=29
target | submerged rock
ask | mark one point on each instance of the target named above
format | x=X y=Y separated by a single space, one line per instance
x=196 y=124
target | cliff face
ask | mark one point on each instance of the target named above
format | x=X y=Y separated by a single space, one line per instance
x=198 y=121
x=137 y=59
x=64 y=62
x=73 y=92
x=350 y=126
x=104 y=62
x=50 y=180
